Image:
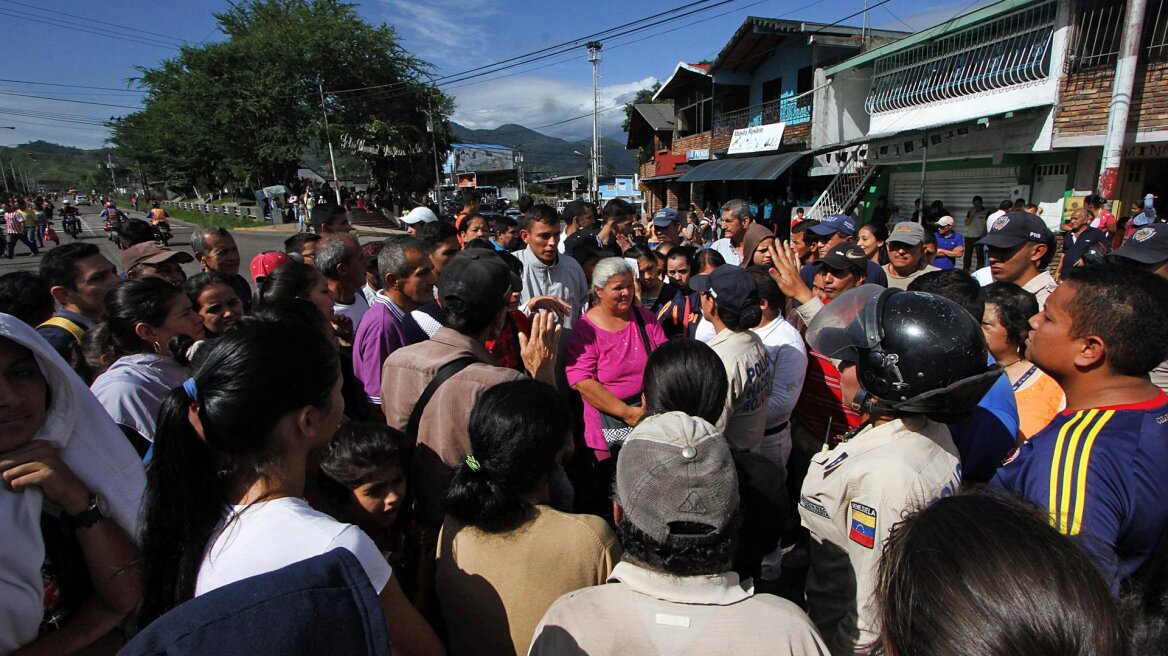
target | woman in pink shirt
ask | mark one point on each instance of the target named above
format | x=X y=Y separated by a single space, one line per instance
x=606 y=356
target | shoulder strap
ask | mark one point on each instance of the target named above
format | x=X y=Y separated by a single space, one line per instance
x=66 y=324
x=641 y=327
x=444 y=373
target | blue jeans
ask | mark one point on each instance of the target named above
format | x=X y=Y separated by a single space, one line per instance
x=13 y=238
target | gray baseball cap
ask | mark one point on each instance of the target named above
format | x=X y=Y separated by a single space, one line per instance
x=675 y=469
x=906 y=232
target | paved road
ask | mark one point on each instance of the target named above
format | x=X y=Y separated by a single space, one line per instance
x=250 y=242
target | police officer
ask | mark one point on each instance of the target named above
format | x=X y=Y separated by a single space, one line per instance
x=901 y=457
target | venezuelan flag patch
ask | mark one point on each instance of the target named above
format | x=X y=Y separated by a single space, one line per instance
x=863 y=531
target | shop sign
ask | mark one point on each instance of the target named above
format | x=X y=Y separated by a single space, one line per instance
x=757 y=139
x=698 y=154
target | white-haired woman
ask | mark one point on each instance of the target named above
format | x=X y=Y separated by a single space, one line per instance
x=606 y=356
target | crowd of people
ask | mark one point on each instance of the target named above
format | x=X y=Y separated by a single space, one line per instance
x=562 y=434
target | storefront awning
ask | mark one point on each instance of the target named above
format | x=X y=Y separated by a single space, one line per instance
x=765 y=167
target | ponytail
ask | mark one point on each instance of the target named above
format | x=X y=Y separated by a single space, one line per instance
x=516 y=430
x=244 y=384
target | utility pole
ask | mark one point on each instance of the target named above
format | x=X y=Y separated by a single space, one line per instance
x=432 y=128
x=109 y=163
x=329 y=139
x=1121 y=94
x=594 y=57
x=15 y=180
x=519 y=165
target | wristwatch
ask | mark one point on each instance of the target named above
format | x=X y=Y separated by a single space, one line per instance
x=90 y=516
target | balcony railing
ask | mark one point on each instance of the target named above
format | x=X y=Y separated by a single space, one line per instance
x=1099 y=32
x=791 y=111
x=1003 y=52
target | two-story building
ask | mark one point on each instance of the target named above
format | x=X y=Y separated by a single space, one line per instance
x=1009 y=101
x=742 y=124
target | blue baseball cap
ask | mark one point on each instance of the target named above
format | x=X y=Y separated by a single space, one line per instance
x=840 y=223
x=665 y=217
x=732 y=288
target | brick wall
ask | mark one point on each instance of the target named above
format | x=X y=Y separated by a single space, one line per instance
x=647 y=169
x=671 y=194
x=1085 y=96
x=693 y=142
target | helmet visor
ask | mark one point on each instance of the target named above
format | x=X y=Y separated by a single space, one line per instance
x=848 y=323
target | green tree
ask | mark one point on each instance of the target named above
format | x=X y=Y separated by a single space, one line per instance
x=643 y=97
x=241 y=112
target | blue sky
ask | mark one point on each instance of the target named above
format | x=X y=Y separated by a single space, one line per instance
x=455 y=35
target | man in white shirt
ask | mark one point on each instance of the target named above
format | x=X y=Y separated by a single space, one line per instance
x=735 y=220
x=788 y=358
x=339 y=258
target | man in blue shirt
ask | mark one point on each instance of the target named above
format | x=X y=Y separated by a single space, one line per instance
x=1098 y=467
x=950 y=244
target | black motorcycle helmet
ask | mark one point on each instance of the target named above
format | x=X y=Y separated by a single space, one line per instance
x=914 y=352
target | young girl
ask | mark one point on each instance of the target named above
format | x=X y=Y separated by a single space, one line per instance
x=363 y=482
x=224 y=495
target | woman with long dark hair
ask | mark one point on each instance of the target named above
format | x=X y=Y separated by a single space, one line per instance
x=950 y=583
x=224 y=496
x=148 y=329
x=504 y=554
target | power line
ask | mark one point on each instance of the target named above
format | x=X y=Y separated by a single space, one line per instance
x=74 y=86
x=11 y=13
x=82 y=102
x=84 y=18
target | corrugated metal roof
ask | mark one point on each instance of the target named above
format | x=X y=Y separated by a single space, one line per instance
x=941 y=29
x=757 y=37
x=659 y=116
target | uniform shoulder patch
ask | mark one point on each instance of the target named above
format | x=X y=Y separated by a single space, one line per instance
x=863 y=525
x=839 y=460
x=812 y=507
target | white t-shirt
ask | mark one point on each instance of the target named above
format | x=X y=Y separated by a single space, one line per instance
x=354 y=310
x=269 y=535
x=727 y=250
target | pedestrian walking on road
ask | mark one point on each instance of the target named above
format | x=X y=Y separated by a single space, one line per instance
x=14 y=231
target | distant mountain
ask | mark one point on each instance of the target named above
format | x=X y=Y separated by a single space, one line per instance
x=549 y=154
x=49 y=161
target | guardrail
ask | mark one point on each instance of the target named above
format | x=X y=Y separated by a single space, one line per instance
x=225 y=210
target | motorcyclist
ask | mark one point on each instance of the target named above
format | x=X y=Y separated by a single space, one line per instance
x=160 y=219
x=69 y=217
x=112 y=216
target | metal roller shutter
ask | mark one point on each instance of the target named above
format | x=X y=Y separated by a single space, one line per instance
x=954 y=188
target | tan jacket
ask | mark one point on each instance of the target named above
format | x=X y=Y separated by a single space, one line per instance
x=852 y=496
x=442 y=435
x=743 y=420
x=1042 y=286
x=640 y=611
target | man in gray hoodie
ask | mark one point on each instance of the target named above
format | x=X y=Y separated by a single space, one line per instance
x=550 y=281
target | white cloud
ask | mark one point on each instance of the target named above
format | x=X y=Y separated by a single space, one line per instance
x=436 y=30
x=534 y=102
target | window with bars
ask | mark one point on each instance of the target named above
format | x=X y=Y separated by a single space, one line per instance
x=1099 y=32
x=1007 y=51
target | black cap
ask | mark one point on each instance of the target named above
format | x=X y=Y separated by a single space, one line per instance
x=732 y=288
x=1148 y=245
x=474 y=283
x=1015 y=228
x=582 y=246
x=845 y=256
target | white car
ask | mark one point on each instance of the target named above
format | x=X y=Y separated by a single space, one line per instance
x=81 y=200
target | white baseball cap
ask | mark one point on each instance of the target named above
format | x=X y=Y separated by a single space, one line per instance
x=419 y=215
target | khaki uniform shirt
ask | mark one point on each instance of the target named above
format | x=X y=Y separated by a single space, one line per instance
x=640 y=611
x=442 y=436
x=743 y=420
x=852 y=496
x=1042 y=286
